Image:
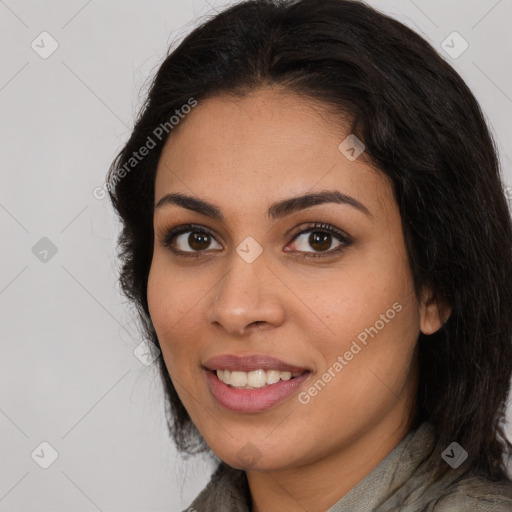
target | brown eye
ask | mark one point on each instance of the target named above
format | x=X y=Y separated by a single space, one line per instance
x=189 y=239
x=316 y=241
x=320 y=241
x=199 y=241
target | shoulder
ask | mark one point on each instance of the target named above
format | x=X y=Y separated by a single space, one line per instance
x=476 y=494
x=227 y=491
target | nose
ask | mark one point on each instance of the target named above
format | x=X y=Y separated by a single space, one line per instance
x=249 y=296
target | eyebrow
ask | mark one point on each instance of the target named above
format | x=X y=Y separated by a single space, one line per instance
x=277 y=210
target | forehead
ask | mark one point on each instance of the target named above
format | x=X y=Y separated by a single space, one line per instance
x=261 y=147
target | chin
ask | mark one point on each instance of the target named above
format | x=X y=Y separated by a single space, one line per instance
x=249 y=457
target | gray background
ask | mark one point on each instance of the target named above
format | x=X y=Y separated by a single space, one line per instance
x=67 y=368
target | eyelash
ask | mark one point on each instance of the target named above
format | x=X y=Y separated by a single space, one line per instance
x=171 y=234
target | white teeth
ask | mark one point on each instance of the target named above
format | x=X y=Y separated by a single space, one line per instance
x=285 y=375
x=238 y=379
x=253 y=380
x=273 y=376
x=256 y=379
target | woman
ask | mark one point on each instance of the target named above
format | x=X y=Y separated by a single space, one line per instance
x=316 y=237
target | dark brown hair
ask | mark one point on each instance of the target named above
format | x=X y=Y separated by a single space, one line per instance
x=422 y=127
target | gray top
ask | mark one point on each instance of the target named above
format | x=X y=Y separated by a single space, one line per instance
x=399 y=483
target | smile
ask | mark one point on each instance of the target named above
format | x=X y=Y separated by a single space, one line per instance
x=256 y=379
x=252 y=383
x=250 y=400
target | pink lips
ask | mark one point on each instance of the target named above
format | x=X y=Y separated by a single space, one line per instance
x=252 y=400
x=250 y=363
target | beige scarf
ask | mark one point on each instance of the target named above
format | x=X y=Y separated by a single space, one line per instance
x=400 y=483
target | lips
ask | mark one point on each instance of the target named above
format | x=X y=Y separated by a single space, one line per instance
x=250 y=363
x=253 y=400
x=256 y=399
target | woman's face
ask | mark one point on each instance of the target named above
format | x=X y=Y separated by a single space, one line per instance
x=335 y=304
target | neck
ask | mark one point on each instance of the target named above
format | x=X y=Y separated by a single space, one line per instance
x=317 y=486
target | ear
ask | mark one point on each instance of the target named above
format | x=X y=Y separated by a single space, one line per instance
x=433 y=314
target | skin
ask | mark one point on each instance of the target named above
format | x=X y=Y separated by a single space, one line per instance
x=243 y=154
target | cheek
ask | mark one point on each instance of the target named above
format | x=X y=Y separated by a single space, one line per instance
x=364 y=290
x=161 y=298
x=373 y=315
x=376 y=351
x=171 y=305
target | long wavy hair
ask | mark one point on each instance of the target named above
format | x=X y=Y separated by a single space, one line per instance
x=421 y=126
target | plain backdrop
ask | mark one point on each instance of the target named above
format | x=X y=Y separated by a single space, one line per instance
x=69 y=375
